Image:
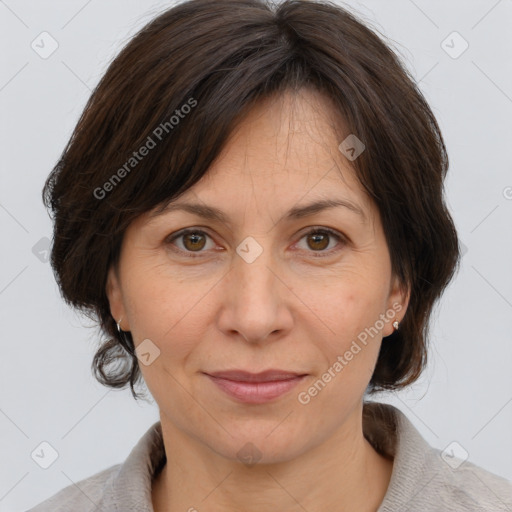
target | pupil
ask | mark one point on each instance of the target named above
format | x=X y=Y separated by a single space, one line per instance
x=193 y=240
x=318 y=239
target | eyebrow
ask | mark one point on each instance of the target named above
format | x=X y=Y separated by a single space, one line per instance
x=297 y=212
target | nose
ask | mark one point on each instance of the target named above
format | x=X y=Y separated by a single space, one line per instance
x=256 y=301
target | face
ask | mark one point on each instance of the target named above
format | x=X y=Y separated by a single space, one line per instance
x=265 y=284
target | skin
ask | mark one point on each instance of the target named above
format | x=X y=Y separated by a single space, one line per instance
x=297 y=307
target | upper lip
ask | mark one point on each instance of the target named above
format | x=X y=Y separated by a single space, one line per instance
x=264 y=376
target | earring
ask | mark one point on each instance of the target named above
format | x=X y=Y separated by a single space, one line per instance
x=395 y=325
x=125 y=342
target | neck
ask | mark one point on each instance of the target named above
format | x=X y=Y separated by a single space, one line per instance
x=344 y=473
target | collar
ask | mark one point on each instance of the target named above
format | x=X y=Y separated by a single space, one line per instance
x=385 y=427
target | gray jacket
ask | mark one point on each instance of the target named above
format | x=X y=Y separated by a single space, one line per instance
x=423 y=478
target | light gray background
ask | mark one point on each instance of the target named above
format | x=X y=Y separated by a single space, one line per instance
x=47 y=392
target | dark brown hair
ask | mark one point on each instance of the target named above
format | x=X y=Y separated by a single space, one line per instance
x=183 y=82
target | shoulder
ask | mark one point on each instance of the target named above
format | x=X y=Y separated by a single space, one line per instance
x=119 y=487
x=82 y=496
x=471 y=487
x=427 y=479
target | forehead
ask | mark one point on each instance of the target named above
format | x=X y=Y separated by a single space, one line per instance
x=286 y=146
x=287 y=131
x=283 y=159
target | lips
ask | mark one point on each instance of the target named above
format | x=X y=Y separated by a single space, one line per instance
x=255 y=388
x=265 y=376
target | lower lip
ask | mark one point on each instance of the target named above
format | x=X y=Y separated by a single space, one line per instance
x=256 y=392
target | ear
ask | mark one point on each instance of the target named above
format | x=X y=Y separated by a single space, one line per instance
x=115 y=299
x=397 y=304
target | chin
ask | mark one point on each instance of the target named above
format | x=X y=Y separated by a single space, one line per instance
x=260 y=452
x=260 y=441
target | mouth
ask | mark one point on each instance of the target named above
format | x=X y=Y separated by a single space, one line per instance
x=255 y=388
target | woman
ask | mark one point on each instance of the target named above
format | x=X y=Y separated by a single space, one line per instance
x=252 y=206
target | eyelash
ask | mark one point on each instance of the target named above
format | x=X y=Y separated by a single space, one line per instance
x=318 y=254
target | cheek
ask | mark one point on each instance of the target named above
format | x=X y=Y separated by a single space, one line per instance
x=166 y=309
x=363 y=313
x=351 y=307
x=350 y=304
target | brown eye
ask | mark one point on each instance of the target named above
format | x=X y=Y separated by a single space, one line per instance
x=190 y=241
x=194 y=241
x=318 y=241
x=322 y=240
